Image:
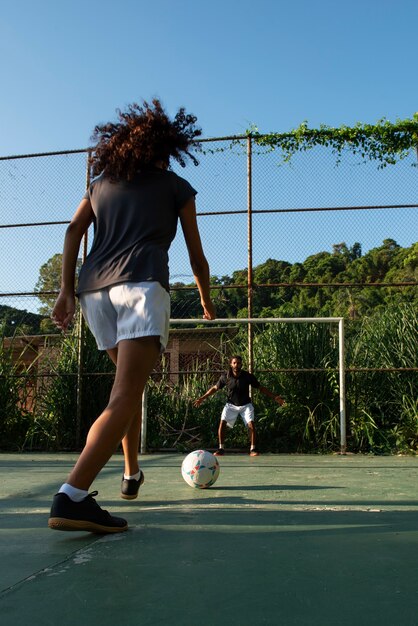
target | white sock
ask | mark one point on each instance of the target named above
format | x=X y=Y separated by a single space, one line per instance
x=221 y=445
x=76 y=495
x=133 y=477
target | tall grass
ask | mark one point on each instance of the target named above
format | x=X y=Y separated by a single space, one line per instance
x=382 y=406
x=173 y=422
x=309 y=420
x=55 y=425
x=15 y=418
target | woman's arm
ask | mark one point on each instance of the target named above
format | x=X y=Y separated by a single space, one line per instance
x=197 y=257
x=64 y=308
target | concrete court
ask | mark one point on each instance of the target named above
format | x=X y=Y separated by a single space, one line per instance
x=279 y=539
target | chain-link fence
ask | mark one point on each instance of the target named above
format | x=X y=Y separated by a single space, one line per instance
x=281 y=240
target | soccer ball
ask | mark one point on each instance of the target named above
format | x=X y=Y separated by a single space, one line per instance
x=200 y=469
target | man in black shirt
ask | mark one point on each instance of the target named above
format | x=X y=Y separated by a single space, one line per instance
x=237 y=382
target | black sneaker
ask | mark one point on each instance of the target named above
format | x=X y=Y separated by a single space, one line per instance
x=129 y=487
x=254 y=452
x=85 y=515
x=219 y=452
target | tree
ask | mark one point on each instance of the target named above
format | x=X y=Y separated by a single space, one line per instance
x=50 y=281
x=349 y=254
x=323 y=267
x=345 y=264
x=17 y=320
x=184 y=302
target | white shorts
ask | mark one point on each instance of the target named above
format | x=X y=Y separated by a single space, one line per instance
x=231 y=411
x=127 y=311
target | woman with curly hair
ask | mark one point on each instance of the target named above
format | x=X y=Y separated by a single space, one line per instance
x=134 y=203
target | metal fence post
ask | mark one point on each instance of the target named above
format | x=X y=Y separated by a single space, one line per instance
x=81 y=331
x=343 y=430
x=250 y=251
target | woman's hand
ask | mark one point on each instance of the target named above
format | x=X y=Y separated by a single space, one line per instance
x=209 y=311
x=63 y=311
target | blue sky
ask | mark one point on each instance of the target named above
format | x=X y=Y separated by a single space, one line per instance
x=66 y=66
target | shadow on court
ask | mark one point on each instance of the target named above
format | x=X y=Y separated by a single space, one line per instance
x=286 y=540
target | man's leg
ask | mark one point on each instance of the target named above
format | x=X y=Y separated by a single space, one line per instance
x=252 y=433
x=228 y=417
x=247 y=415
x=221 y=433
x=253 y=447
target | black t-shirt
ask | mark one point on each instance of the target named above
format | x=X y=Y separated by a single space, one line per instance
x=238 y=389
x=134 y=225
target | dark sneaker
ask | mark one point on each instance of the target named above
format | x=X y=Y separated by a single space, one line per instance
x=254 y=452
x=129 y=487
x=219 y=452
x=85 y=515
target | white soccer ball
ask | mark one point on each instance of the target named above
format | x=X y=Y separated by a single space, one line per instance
x=200 y=469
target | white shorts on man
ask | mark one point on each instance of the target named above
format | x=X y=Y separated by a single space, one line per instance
x=230 y=413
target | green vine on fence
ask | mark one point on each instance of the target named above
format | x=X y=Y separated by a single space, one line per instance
x=384 y=142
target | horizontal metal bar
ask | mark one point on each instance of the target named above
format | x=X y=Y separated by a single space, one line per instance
x=262 y=285
x=43 y=154
x=225 y=287
x=33 y=224
x=245 y=212
x=81 y=150
x=259 y=320
x=281 y=370
x=311 y=209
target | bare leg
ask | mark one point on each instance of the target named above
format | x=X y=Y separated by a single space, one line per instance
x=135 y=361
x=221 y=432
x=130 y=442
x=252 y=433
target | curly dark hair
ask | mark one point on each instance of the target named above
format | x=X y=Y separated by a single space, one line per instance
x=144 y=136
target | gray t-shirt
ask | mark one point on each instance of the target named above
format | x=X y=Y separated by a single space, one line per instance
x=134 y=225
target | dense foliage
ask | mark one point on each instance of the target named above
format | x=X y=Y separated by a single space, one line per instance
x=290 y=293
x=59 y=418
x=388 y=263
x=382 y=325
x=17 y=320
x=382 y=405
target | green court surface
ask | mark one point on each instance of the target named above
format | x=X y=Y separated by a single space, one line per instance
x=279 y=539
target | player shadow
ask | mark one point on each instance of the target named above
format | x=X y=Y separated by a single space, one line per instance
x=273 y=487
x=306 y=567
